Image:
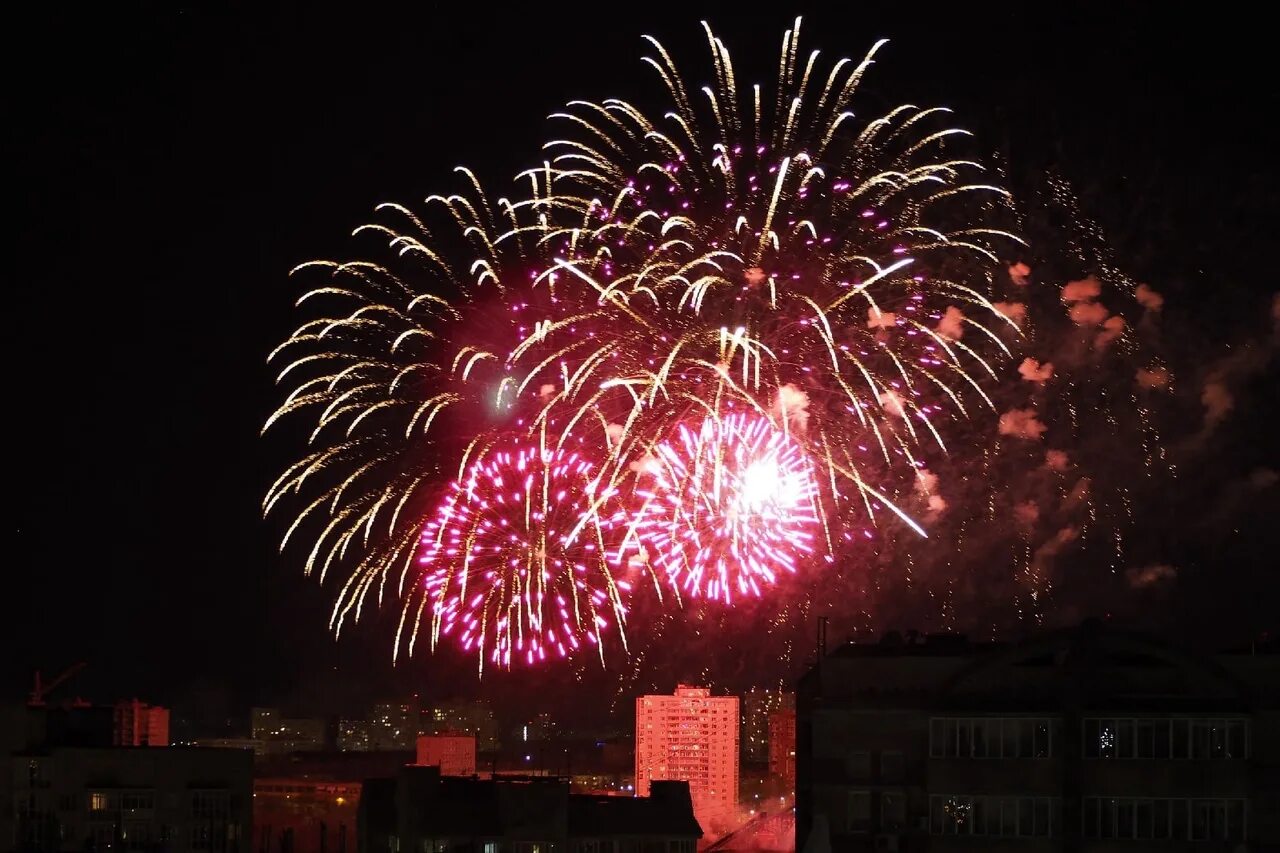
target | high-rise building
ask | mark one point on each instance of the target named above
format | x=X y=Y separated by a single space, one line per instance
x=782 y=750
x=453 y=752
x=692 y=737
x=758 y=705
x=139 y=724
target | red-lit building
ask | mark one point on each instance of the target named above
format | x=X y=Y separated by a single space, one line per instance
x=304 y=813
x=692 y=737
x=782 y=750
x=453 y=752
x=136 y=723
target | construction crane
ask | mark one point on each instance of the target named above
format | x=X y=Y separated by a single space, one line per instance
x=41 y=689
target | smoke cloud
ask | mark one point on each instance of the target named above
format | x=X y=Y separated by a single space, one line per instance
x=1085 y=290
x=1111 y=329
x=952 y=323
x=1018 y=273
x=1026 y=514
x=1034 y=371
x=1015 y=311
x=1021 y=423
x=1057 y=460
x=1043 y=558
x=1148 y=298
x=1148 y=576
x=877 y=319
x=792 y=405
x=1156 y=377
x=1088 y=313
x=892 y=402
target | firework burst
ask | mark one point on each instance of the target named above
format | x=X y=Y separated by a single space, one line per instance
x=508 y=569
x=763 y=276
x=727 y=506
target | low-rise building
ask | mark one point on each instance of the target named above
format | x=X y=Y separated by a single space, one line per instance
x=420 y=810
x=453 y=752
x=127 y=798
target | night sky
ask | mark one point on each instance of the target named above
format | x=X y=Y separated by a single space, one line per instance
x=172 y=167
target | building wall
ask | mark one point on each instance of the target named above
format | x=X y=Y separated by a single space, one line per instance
x=1083 y=740
x=454 y=754
x=177 y=799
x=782 y=750
x=691 y=736
x=139 y=724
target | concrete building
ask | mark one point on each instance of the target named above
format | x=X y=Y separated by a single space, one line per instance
x=139 y=724
x=758 y=705
x=389 y=727
x=278 y=734
x=692 y=737
x=304 y=813
x=126 y=798
x=782 y=751
x=475 y=718
x=453 y=752
x=1087 y=739
x=420 y=810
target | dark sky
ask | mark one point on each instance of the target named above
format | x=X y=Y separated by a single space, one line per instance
x=171 y=167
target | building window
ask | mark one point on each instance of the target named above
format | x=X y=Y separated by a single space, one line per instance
x=1143 y=819
x=991 y=737
x=859 y=766
x=1156 y=737
x=994 y=816
x=859 y=814
x=99 y=802
x=893 y=811
x=893 y=766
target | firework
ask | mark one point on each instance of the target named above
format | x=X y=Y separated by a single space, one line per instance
x=765 y=277
x=727 y=506
x=506 y=567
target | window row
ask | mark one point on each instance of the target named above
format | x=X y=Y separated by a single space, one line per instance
x=1160 y=819
x=994 y=816
x=991 y=737
x=1165 y=737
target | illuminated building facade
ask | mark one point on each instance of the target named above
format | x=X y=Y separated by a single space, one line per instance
x=782 y=750
x=389 y=727
x=304 y=813
x=1086 y=739
x=692 y=737
x=139 y=724
x=453 y=752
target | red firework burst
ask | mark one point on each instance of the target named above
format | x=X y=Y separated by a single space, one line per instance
x=727 y=507
x=516 y=564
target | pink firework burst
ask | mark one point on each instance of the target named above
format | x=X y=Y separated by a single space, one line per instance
x=727 y=507
x=516 y=564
